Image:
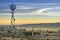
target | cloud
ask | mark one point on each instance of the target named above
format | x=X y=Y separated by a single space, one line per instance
x=44 y=11
x=39 y=11
x=54 y=14
x=33 y=9
x=48 y=4
x=48 y=11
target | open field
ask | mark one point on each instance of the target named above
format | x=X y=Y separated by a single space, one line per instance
x=41 y=28
x=29 y=33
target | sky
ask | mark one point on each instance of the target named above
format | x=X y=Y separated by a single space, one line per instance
x=30 y=11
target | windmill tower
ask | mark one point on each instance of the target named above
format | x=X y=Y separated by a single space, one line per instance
x=12 y=8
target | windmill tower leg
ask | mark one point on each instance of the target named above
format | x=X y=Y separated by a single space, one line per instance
x=12 y=20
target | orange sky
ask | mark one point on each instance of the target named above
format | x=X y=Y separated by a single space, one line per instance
x=28 y=21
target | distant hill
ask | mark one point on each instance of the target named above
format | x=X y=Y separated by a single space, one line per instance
x=41 y=25
x=36 y=25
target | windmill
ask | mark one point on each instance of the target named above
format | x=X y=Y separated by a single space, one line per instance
x=12 y=8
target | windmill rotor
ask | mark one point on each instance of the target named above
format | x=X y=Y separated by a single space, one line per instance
x=12 y=7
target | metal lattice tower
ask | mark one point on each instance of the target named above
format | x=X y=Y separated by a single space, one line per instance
x=12 y=8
